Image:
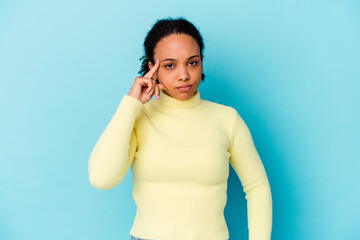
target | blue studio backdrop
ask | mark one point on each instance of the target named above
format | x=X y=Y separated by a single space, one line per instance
x=290 y=68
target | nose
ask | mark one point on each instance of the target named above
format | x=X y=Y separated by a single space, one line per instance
x=183 y=74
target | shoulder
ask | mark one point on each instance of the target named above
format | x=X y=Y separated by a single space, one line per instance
x=219 y=108
x=225 y=113
x=149 y=107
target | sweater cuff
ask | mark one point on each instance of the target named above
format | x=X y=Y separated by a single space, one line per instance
x=131 y=103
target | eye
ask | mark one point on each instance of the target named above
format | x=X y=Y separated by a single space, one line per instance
x=195 y=62
x=166 y=66
x=170 y=65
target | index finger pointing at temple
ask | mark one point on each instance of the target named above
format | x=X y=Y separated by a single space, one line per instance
x=150 y=73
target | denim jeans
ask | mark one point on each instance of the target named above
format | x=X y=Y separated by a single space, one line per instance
x=135 y=238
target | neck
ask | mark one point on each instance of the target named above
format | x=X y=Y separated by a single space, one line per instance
x=169 y=103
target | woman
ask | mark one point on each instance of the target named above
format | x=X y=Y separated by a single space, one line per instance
x=179 y=147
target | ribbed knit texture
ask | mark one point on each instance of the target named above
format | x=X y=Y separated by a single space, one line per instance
x=179 y=153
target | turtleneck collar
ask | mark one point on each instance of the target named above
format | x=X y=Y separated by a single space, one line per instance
x=167 y=102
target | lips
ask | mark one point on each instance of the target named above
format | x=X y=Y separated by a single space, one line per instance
x=184 y=86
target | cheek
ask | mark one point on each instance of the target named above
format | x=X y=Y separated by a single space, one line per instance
x=161 y=73
x=198 y=71
x=165 y=73
x=164 y=76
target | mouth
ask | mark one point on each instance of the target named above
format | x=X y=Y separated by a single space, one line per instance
x=184 y=88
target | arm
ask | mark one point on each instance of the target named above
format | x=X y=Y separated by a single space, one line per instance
x=248 y=166
x=114 y=151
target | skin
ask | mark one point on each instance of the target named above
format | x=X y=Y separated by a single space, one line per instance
x=144 y=87
x=182 y=70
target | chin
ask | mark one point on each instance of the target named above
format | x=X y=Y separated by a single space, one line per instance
x=186 y=95
x=181 y=95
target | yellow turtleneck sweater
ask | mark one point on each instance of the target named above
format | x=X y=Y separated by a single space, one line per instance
x=179 y=153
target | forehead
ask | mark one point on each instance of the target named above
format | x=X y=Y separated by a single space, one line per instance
x=176 y=46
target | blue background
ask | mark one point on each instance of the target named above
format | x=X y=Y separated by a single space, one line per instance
x=290 y=68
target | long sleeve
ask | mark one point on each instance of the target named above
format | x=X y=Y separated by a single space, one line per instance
x=114 y=151
x=247 y=164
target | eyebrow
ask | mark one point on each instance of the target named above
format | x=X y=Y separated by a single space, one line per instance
x=167 y=59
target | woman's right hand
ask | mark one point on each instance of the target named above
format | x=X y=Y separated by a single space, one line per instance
x=144 y=87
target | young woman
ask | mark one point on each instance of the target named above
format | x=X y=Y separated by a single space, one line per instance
x=179 y=147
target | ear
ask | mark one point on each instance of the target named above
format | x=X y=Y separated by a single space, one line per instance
x=150 y=65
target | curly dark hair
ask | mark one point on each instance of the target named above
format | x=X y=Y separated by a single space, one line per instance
x=161 y=29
